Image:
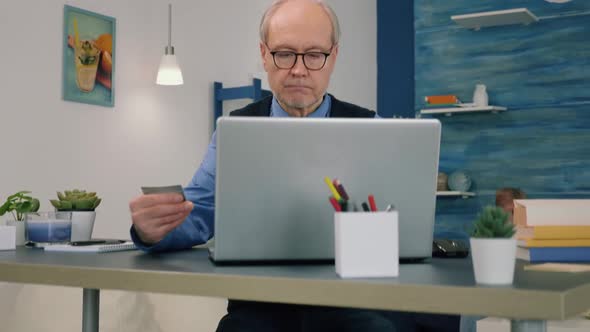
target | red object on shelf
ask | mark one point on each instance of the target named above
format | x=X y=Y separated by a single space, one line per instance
x=442 y=99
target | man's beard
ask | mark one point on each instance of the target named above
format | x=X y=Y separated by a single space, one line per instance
x=295 y=103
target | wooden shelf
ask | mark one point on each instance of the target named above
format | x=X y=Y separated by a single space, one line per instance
x=449 y=111
x=464 y=194
x=495 y=18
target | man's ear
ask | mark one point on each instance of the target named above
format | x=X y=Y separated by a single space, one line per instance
x=263 y=52
x=334 y=53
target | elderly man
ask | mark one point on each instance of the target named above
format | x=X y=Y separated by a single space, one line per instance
x=299 y=48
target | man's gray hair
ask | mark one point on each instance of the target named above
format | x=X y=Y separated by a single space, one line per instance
x=278 y=3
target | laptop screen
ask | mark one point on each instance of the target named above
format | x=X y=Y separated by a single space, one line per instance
x=271 y=198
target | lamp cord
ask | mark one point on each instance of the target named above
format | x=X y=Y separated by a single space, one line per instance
x=170 y=24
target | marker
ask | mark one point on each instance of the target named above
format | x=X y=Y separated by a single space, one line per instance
x=355 y=207
x=343 y=205
x=335 y=204
x=341 y=190
x=390 y=208
x=332 y=189
x=372 y=203
x=366 y=207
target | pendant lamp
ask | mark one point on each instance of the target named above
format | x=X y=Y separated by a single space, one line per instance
x=169 y=72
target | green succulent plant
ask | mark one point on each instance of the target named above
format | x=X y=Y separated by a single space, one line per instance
x=19 y=204
x=76 y=200
x=493 y=222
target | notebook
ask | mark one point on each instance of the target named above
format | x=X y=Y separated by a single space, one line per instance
x=99 y=248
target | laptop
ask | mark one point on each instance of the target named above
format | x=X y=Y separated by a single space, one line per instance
x=272 y=203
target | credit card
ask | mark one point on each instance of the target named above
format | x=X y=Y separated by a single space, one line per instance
x=165 y=189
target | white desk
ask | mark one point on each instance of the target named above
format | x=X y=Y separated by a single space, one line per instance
x=441 y=286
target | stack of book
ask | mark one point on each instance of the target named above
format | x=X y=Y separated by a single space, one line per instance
x=554 y=244
x=553 y=230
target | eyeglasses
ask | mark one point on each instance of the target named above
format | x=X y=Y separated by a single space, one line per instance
x=288 y=59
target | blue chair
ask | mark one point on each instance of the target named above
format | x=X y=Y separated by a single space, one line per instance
x=254 y=92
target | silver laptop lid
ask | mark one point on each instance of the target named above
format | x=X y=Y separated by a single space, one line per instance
x=271 y=199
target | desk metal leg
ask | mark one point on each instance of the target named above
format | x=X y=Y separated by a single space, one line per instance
x=528 y=326
x=90 y=309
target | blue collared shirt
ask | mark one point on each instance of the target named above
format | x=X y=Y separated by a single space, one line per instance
x=323 y=111
x=198 y=226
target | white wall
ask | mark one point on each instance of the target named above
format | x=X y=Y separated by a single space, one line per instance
x=153 y=136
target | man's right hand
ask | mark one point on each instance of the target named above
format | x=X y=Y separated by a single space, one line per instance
x=156 y=215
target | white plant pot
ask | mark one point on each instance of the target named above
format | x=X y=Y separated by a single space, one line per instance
x=82 y=225
x=20 y=231
x=493 y=260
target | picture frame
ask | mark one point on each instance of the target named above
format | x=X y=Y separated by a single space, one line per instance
x=89 y=57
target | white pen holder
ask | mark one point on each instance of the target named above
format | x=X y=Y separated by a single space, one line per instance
x=366 y=244
x=7 y=237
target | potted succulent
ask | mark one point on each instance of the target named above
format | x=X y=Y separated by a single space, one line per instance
x=18 y=204
x=82 y=205
x=493 y=247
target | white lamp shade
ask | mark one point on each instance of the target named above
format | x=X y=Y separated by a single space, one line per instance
x=169 y=72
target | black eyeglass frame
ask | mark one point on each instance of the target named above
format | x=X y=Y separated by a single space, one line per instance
x=326 y=55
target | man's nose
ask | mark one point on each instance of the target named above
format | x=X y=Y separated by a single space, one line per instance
x=299 y=68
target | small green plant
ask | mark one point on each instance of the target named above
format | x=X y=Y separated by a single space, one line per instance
x=493 y=222
x=76 y=200
x=18 y=204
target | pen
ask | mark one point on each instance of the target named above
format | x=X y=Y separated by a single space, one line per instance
x=92 y=242
x=366 y=207
x=390 y=208
x=332 y=188
x=372 y=203
x=355 y=207
x=335 y=204
x=340 y=189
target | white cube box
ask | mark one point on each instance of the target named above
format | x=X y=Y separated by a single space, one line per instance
x=366 y=244
x=7 y=237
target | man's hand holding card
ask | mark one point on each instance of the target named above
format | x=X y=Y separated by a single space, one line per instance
x=158 y=211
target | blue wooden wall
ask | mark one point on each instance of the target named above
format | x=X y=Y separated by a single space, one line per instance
x=395 y=58
x=541 y=72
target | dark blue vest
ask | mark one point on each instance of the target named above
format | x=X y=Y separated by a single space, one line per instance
x=339 y=109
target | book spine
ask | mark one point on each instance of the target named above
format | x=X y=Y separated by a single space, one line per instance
x=561 y=232
x=556 y=243
x=446 y=99
x=552 y=212
x=575 y=254
x=434 y=106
